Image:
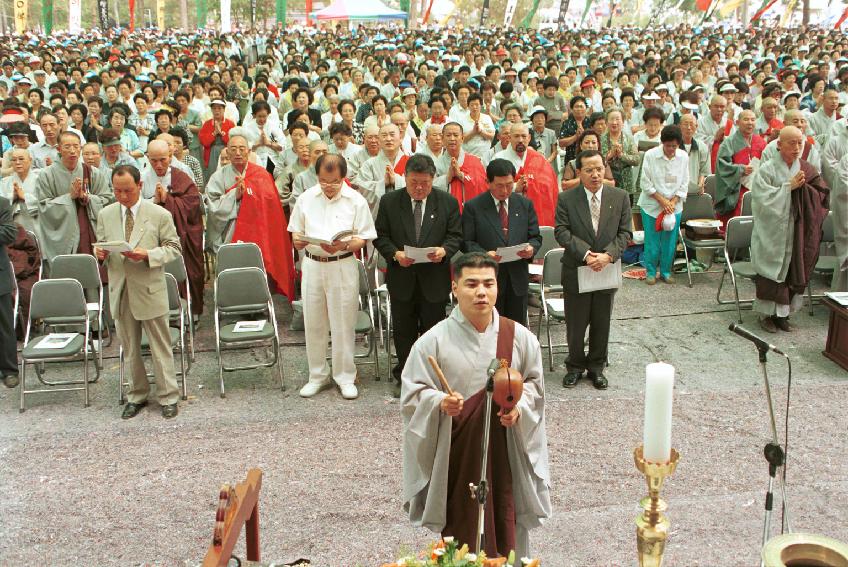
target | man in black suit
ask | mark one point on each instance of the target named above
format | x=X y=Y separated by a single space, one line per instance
x=8 y=342
x=593 y=225
x=422 y=218
x=501 y=218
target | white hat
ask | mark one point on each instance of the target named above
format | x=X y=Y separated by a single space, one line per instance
x=532 y=75
x=727 y=88
x=408 y=91
x=791 y=93
x=691 y=106
x=217 y=101
x=536 y=110
x=651 y=96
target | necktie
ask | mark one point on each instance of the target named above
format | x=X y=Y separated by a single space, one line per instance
x=129 y=222
x=417 y=215
x=596 y=212
x=504 y=219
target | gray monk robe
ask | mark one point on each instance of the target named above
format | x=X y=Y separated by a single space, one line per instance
x=66 y=226
x=429 y=456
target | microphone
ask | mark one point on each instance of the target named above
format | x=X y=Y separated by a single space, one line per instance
x=493 y=367
x=758 y=342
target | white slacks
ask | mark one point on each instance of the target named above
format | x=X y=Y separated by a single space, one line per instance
x=330 y=303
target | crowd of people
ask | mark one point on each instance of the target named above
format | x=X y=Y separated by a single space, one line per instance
x=403 y=149
x=227 y=133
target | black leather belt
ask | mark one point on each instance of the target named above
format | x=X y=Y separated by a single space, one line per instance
x=325 y=259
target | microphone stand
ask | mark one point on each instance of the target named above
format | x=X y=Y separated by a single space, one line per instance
x=774 y=454
x=480 y=491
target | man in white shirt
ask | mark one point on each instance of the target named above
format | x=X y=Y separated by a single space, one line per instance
x=665 y=184
x=330 y=282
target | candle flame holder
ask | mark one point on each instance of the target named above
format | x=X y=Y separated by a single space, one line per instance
x=652 y=526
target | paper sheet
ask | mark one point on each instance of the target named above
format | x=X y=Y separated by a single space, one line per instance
x=116 y=246
x=510 y=253
x=535 y=269
x=755 y=165
x=608 y=278
x=418 y=254
x=249 y=326
x=56 y=340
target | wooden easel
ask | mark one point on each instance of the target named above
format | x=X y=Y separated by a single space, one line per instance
x=238 y=506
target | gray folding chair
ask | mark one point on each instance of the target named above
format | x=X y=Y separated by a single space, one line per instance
x=384 y=303
x=365 y=321
x=177 y=335
x=737 y=238
x=84 y=269
x=747 y=204
x=34 y=238
x=534 y=289
x=697 y=207
x=177 y=269
x=825 y=265
x=16 y=300
x=552 y=309
x=63 y=302
x=239 y=292
x=239 y=255
x=710 y=186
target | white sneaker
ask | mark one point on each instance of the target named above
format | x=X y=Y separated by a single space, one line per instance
x=349 y=391
x=312 y=388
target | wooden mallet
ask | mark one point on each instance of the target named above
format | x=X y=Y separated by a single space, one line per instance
x=441 y=375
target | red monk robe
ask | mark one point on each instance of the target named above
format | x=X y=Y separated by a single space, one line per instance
x=206 y=136
x=473 y=180
x=728 y=127
x=261 y=221
x=183 y=202
x=542 y=187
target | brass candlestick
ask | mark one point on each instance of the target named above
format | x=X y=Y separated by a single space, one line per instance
x=652 y=526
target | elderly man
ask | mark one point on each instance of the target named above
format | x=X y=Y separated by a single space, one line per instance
x=113 y=152
x=501 y=145
x=789 y=204
x=262 y=221
x=174 y=190
x=699 y=156
x=330 y=283
x=459 y=172
x=535 y=178
x=174 y=161
x=91 y=155
x=826 y=116
x=768 y=124
x=19 y=189
x=308 y=177
x=284 y=177
x=342 y=136
x=46 y=152
x=433 y=145
x=810 y=153
x=733 y=166
x=70 y=196
x=714 y=126
x=370 y=148
x=385 y=171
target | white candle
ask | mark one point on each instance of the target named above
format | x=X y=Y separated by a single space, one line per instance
x=659 y=387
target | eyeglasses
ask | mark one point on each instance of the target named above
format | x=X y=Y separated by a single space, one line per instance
x=330 y=185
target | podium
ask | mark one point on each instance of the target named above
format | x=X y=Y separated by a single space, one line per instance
x=836 y=348
x=238 y=506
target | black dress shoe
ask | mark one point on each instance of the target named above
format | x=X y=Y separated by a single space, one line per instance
x=599 y=381
x=131 y=410
x=396 y=390
x=169 y=411
x=11 y=380
x=571 y=378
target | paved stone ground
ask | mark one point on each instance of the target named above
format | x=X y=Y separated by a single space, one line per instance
x=82 y=487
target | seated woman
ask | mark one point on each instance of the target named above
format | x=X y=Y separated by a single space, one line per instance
x=588 y=140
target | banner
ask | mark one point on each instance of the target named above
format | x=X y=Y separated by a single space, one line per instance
x=427 y=13
x=787 y=14
x=308 y=12
x=226 y=22
x=201 y=13
x=509 y=12
x=585 y=12
x=252 y=13
x=21 y=16
x=525 y=23
x=484 y=13
x=763 y=9
x=47 y=16
x=132 y=15
x=729 y=7
x=841 y=19
x=75 y=16
x=160 y=14
x=281 y=12
x=103 y=13
x=563 y=12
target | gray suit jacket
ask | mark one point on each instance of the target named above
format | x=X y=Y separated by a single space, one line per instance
x=154 y=231
x=574 y=229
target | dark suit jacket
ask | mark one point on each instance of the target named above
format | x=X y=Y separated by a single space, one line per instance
x=481 y=232
x=8 y=233
x=440 y=226
x=574 y=229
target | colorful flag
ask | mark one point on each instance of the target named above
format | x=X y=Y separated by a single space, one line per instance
x=763 y=9
x=484 y=13
x=427 y=13
x=21 y=15
x=47 y=16
x=75 y=16
x=202 y=15
x=563 y=12
x=841 y=19
x=281 y=12
x=160 y=14
x=703 y=5
x=585 y=12
x=525 y=23
x=132 y=15
x=103 y=13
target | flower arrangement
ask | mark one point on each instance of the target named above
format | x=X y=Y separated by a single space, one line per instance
x=447 y=553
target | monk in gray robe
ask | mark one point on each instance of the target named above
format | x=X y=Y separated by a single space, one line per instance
x=70 y=196
x=370 y=148
x=385 y=171
x=835 y=172
x=442 y=432
x=733 y=166
x=789 y=204
x=307 y=178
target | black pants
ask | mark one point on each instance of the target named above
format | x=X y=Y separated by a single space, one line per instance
x=8 y=342
x=411 y=319
x=509 y=304
x=592 y=310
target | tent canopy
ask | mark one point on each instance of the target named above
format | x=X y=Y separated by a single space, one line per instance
x=358 y=10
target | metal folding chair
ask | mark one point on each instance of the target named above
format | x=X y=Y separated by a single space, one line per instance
x=63 y=302
x=239 y=292
x=84 y=269
x=16 y=300
x=710 y=186
x=825 y=265
x=697 y=207
x=737 y=238
x=177 y=336
x=747 y=204
x=552 y=308
x=34 y=238
x=239 y=255
x=177 y=269
x=384 y=303
x=534 y=289
x=365 y=321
